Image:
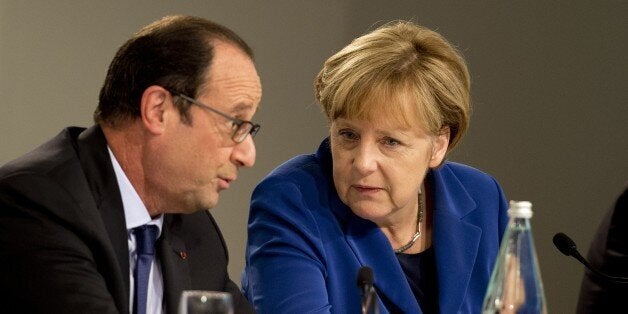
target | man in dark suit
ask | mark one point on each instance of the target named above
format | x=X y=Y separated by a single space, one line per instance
x=609 y=254
x=172 y=129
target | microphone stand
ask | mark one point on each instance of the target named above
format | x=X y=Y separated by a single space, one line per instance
x=566 y=246
x=365 y=283
x=369 y=301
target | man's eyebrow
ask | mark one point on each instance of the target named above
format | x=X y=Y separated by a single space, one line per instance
x=241 y=107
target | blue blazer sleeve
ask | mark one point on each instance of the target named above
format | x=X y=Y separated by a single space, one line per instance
x=285 y=258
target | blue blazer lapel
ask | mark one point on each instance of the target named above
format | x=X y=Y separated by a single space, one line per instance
x=455 y=241
x=373 y=249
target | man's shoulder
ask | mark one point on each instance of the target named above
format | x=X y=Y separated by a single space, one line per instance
x=46 y=158
x=49 y=174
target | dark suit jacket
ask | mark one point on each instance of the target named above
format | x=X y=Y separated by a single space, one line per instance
x=609 y=254
x=305 y=246
x=63 y=237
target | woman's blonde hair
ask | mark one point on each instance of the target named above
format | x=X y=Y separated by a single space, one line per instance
x=402 y=70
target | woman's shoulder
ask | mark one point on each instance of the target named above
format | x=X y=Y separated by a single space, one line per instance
x=465 y=174
x=463 y=169
x=299 y=166
x=296 y=191
x=302 y=168
x=299 y=176
x=463 y=181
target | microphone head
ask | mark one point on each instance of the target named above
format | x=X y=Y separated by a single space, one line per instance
x=365 y=276
x=564 y=244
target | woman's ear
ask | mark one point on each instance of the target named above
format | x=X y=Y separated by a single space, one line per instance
x=153 y=108
x=439 y=147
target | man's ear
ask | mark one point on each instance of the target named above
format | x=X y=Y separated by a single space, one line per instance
x=439 y=147
x=153 y=108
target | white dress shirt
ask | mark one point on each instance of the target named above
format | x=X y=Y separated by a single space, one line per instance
x=136 y=214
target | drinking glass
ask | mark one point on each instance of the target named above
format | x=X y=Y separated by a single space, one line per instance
x=205 y=302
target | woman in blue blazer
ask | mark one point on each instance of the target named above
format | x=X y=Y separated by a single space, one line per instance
x=378 y=192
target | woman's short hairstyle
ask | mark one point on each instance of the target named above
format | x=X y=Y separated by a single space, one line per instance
x=404 y=71
x=174 y=52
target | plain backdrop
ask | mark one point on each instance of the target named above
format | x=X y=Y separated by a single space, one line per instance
x=549 y=94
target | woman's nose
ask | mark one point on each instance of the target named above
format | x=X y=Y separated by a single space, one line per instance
x=365 y=158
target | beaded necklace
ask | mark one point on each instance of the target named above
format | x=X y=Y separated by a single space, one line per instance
x=419 y=219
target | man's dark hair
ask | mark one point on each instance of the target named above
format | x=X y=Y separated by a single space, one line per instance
x=174 y=52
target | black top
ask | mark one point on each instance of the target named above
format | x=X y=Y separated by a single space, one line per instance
x=420 y=270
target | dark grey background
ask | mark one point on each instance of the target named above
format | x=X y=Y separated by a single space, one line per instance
x=549 y=93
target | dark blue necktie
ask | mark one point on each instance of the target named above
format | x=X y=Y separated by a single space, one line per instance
x=145 y=237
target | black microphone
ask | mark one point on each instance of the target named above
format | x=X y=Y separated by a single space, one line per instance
x=566 y=246
x=365 y=279
x=365 y=283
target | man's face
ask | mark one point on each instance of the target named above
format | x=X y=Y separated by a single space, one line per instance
x=199 y=160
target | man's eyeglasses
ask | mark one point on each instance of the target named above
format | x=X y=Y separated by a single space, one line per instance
x=241 y=128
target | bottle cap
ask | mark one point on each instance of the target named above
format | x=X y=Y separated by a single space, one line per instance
x=520 y=209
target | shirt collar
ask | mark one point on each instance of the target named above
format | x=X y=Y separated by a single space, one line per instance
x=135 y=213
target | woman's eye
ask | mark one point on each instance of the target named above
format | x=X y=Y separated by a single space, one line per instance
x=391 y=142
x=347 y=134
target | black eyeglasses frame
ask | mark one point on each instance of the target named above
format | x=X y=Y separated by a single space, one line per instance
x=242 y=128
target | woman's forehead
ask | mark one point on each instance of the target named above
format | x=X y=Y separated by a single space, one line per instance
x=398 y=109
x=385 y=120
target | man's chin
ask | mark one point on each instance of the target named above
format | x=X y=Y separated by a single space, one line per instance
x=208 y=204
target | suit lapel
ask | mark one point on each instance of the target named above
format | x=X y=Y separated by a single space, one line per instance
x=455 y=245
x=174 y=266
x=455 y=241
x=91 y=148
x=373 y=249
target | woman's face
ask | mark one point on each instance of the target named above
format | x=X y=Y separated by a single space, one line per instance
x=378 y=166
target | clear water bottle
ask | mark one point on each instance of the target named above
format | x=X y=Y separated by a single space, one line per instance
x=516 y=285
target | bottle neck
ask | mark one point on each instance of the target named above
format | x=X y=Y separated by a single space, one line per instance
x=519 y=223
